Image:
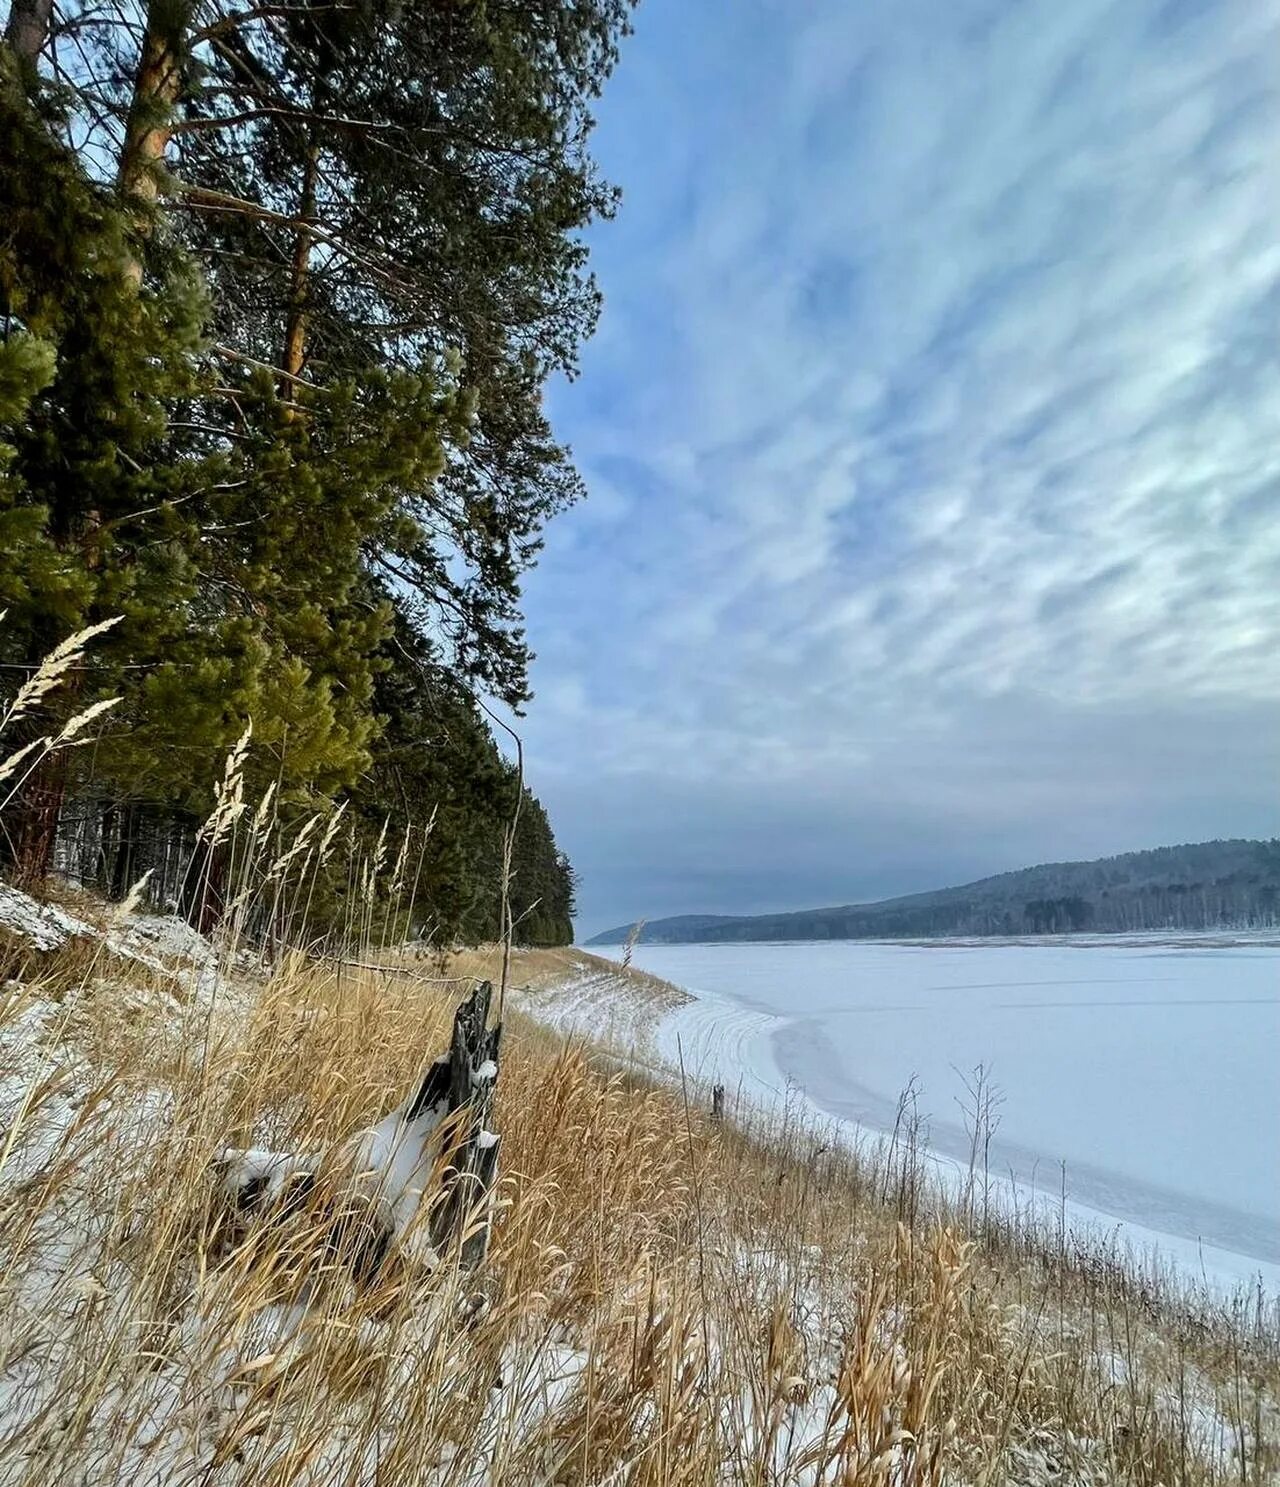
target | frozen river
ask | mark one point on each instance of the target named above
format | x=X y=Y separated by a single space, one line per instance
x=1145 y=1072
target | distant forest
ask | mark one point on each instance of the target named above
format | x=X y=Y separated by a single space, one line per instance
x=1207 y=885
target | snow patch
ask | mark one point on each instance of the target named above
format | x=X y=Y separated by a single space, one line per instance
x=44 y=926
x=191 y=971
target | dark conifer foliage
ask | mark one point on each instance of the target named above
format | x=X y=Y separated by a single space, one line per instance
x=281 y=286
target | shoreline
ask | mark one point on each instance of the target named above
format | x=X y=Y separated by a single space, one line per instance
x=1181 y=939
x=714 y=1038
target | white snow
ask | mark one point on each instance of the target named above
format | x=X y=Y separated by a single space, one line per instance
x=1146 y=1067
x=608 y=1006
x=44 y=926
x=390 y=1164
x=242 y=1167
x=162 y=943
x=394 y=1158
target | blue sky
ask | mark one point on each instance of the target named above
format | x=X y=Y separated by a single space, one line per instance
x=933 y=440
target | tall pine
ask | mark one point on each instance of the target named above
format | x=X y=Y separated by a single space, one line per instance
x=281 y=289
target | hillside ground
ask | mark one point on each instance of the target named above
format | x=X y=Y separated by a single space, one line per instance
x=666 y=1298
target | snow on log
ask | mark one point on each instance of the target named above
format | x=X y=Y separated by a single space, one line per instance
x=379 y=1177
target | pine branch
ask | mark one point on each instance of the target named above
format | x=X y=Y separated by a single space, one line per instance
x=206 y=122
x=205 y=199
x=239 y=18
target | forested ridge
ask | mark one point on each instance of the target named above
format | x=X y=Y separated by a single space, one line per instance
x=1205 y=885
x=281 y=286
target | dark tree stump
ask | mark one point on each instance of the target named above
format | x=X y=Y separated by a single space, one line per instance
x=472 y=1071
x=371 y=1189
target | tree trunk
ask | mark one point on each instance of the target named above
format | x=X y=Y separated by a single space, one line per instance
x=294 y=354
x=147 y=130
x=473 y=1158
x=204 y=888
x=124 y=862
x=29 y=828
x=28 y=28
x=34 y=817
x=107 y=826
x=384 y=1167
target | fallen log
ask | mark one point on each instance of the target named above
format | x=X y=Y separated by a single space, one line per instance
x=374 y=1184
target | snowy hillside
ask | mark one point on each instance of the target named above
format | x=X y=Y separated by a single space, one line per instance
x=667 y=1300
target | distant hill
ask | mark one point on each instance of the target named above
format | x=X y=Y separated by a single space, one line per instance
x=1206 y=885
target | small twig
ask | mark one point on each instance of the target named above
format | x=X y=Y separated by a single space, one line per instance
x=365 y=965
x=229 y=354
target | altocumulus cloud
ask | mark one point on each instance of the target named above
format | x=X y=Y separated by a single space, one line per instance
x=933 y=435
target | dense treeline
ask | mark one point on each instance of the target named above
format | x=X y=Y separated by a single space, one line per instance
x=1207 y=885
x=1052 y=916
x=281 y=285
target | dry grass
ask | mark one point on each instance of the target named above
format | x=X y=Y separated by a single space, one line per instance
x=666 y=1299
x=540 y=970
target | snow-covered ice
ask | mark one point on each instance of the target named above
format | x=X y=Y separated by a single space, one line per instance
x=1142 y=1071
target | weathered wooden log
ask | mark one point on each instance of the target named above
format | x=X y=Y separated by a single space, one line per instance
x=463 y=1212
x=717 y=1102
x=375 y=1183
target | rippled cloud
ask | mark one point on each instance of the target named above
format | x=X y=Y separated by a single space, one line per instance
x=933 y=432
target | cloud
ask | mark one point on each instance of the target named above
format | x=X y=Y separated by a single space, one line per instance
x=936 y=425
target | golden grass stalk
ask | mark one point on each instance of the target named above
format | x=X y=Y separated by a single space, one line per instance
x=53 y=669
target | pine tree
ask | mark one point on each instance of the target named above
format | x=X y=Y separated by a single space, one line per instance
x=102 y=519
x=281 y=289
x=238 y=565
x=390 y=186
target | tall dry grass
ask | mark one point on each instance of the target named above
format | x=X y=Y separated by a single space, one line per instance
x=667 y=1299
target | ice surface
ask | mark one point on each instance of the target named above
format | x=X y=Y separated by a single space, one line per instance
x=1147 y=1068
